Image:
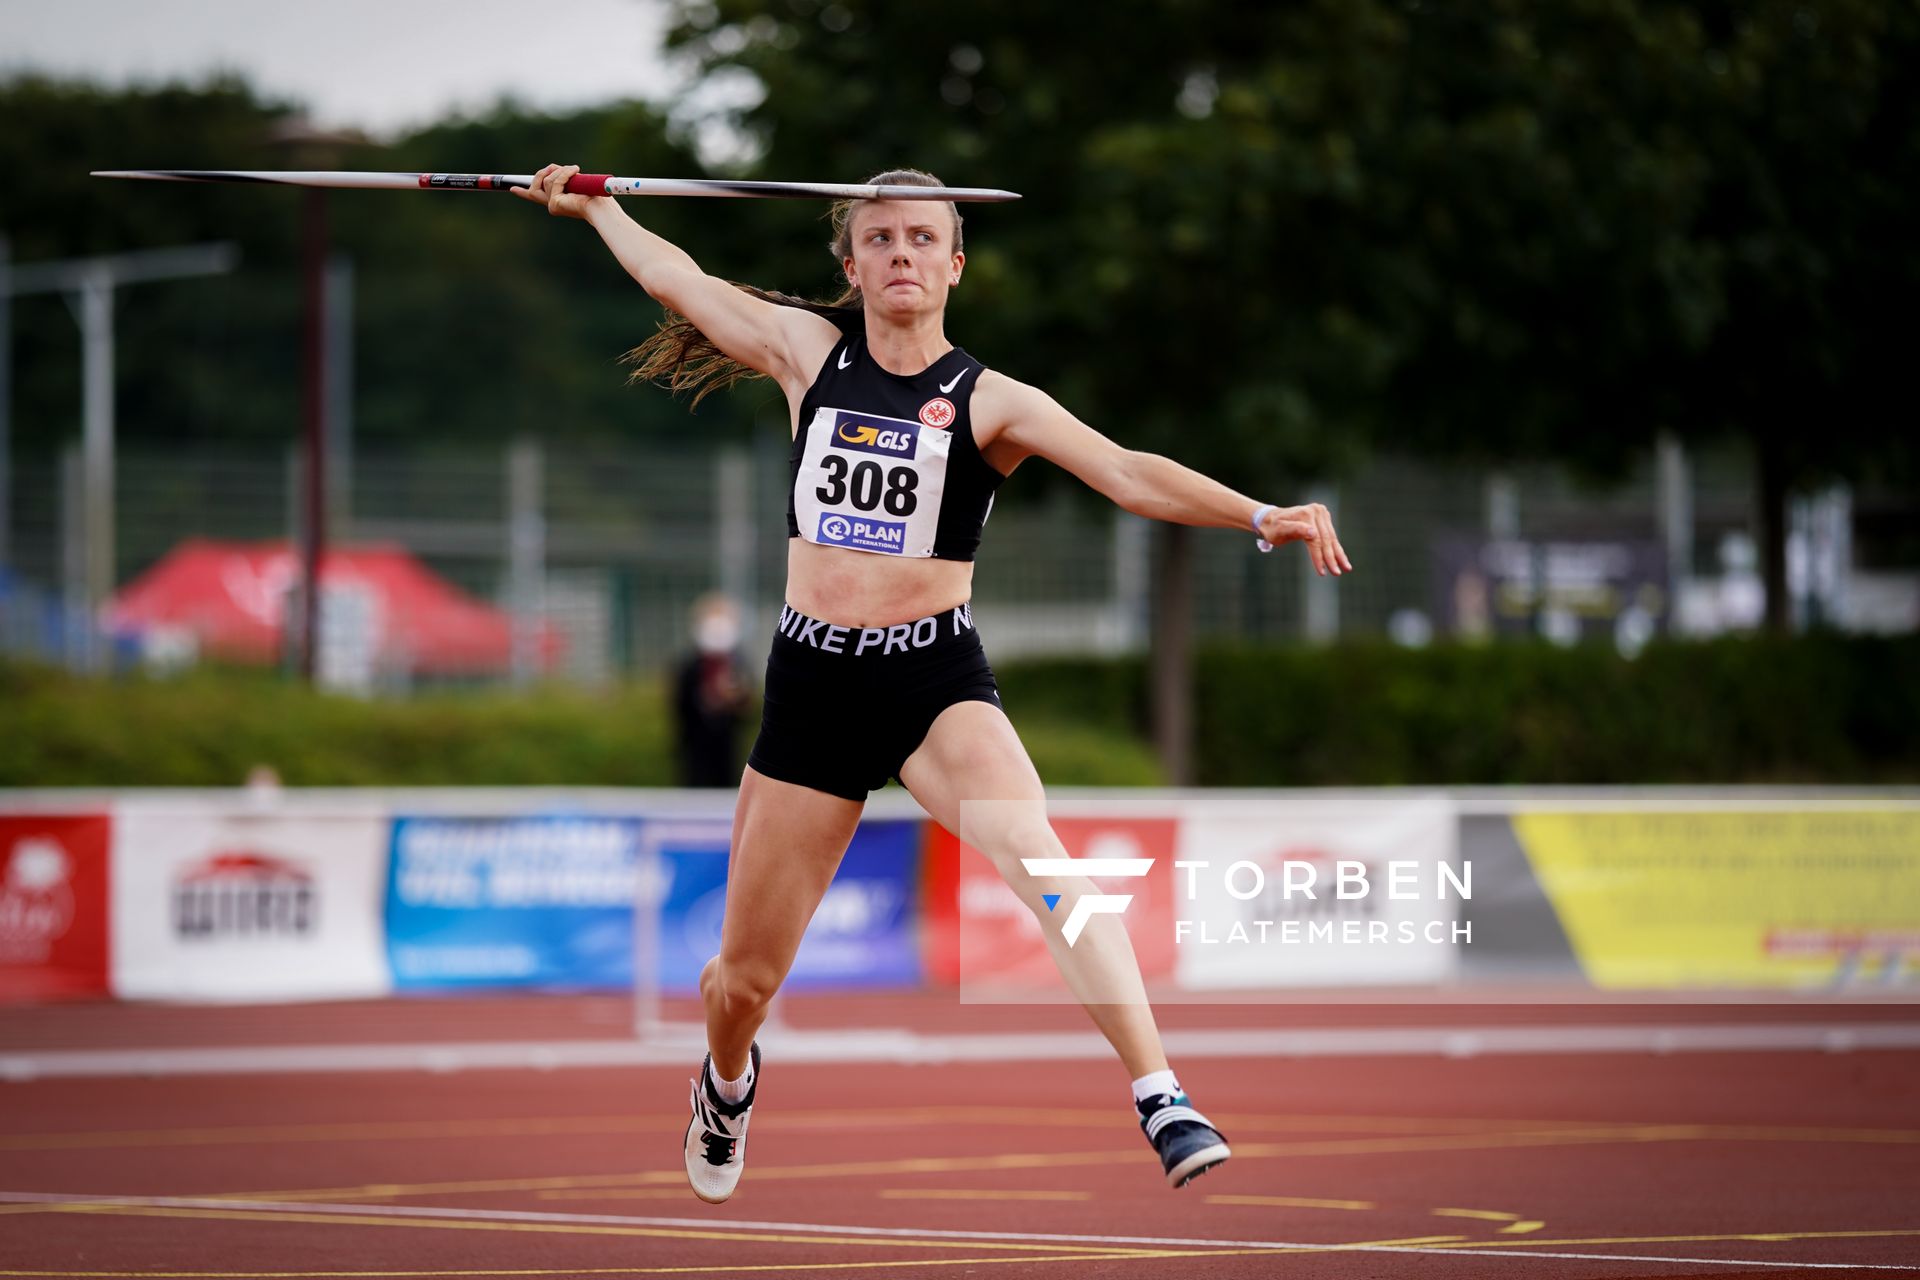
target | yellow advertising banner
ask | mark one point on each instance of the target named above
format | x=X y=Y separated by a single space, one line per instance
x=1762 y=899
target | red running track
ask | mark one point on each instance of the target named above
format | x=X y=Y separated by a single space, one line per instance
x=1562 y=1165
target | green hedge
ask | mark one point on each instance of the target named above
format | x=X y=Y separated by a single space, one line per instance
x=210 y=727
x=1810 y=709
x=1813 y=709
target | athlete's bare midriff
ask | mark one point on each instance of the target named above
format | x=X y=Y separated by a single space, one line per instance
x=861 y=589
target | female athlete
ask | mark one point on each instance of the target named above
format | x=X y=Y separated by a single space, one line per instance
x=899 y=440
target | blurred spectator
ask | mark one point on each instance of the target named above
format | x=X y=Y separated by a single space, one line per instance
x=710 y=696
x=263 y=786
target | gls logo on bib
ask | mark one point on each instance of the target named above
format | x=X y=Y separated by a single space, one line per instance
x=849 y=432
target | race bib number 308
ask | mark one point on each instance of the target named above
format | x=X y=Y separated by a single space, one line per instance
x=870 y=483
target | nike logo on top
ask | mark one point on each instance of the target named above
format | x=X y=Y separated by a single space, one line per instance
x=846 y=358
x=947 y=387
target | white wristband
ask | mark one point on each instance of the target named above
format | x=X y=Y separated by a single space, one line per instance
x=1259 y=541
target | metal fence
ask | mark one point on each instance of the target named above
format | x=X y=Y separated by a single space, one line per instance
x=611 y=547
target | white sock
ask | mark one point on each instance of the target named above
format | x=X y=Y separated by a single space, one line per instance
x=1153 y=1084
x=731 y=1090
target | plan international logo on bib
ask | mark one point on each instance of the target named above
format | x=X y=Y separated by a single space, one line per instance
x=850 y=432
x=867 y=535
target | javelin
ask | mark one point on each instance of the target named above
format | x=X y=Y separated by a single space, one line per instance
x=585 y=184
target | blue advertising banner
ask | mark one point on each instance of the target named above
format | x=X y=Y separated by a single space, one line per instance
x=862 y=937
x=512 y=902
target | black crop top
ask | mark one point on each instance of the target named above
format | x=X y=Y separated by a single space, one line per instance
x=887 y=463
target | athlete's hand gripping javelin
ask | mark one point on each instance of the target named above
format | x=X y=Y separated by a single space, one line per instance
x=550 y=189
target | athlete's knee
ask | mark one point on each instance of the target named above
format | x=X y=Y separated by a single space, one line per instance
x=1016 y=836
x=743 y=986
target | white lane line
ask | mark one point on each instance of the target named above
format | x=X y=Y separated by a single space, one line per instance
x=932 y=1233
x=841 y=1047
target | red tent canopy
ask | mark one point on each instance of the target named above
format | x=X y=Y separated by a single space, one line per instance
x=233 y=596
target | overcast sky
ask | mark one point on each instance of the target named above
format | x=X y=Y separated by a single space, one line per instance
x=379 y=65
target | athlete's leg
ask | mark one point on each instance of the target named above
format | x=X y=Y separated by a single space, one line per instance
x=787 y=843
x=973 y=754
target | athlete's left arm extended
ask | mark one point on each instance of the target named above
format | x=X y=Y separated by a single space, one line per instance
x=1148 y=484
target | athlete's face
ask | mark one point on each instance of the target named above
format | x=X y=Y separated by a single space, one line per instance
x=903 y=257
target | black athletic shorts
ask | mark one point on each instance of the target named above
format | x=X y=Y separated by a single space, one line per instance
x=846 y=706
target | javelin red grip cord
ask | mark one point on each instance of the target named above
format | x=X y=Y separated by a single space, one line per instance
x=588 y=184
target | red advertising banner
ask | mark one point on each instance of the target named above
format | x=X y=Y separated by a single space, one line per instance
x=972 y=923
x=53 y=905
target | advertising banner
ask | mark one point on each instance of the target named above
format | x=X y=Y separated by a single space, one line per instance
x=1766 y=899
x=1294 y=891
x=236 y=905
x=53 y=905
x=861 y=937
x=536 y=901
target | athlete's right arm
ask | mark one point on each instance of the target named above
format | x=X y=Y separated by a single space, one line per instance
x=785 y=343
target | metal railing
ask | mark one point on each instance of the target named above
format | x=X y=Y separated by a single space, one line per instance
x=612 y=546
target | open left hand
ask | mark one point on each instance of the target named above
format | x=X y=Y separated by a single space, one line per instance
x=1313 y=525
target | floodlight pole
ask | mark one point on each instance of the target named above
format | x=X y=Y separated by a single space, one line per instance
x=313 y=540
x=6 y=406
x=299 y=136
x=89 y=284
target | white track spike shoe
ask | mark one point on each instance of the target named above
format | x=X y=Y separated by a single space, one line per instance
x=716 y=1141
x=1188 y=1143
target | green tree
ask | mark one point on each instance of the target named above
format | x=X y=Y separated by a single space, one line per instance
x=1266 y=241
x=476 y=317
x=1807 y=133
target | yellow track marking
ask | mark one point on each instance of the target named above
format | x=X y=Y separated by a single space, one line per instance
x=618 y=1193
x=1792 y=1133
x=677 y=1177
x=935 y=1193
x=959 y=1164
x=546 y=1126
x=568 y=1271
x=350 y=1131
x=591 y=1229
x=1293 y=1202
x=1450 y=1142
x=1516 y=1225
x=1761 y=1236
x=1095 y=1118
x=1409 y=1242
x=1118 y=1252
